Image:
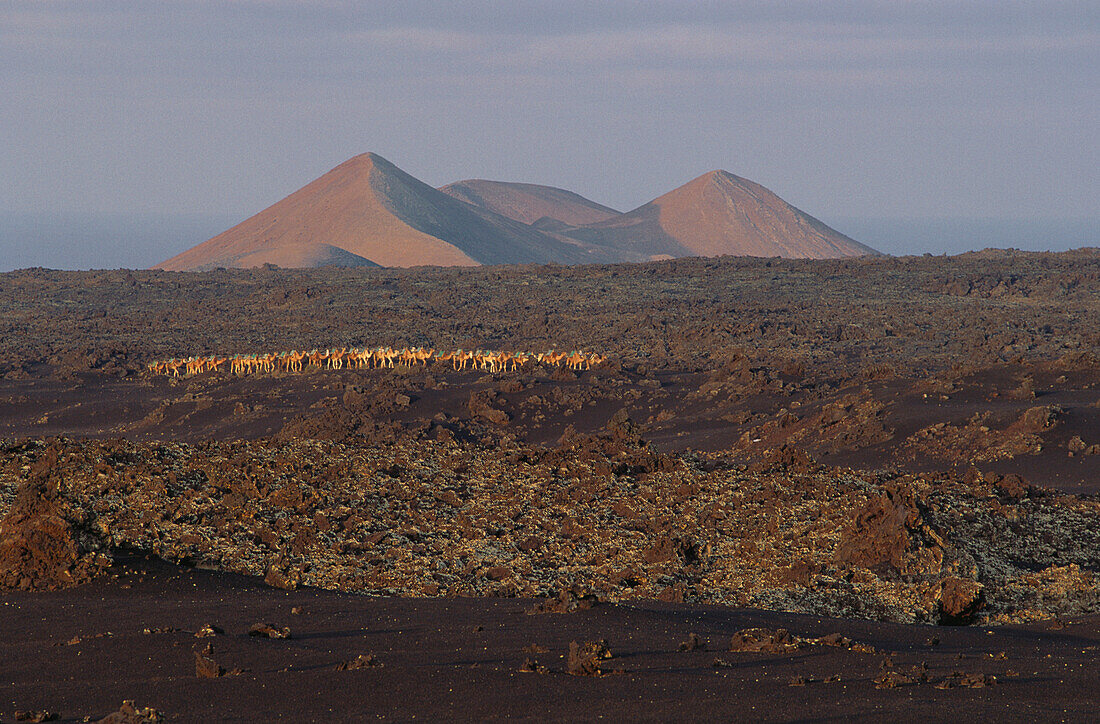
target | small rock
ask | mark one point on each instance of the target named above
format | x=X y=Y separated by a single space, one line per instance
x=128 y=713
x=693 y=643
x=532 y=666
x=35 y=716
x=584 y=658
x=208 y=630
x=266 y=630
x=498 y=573
x=960 y=680
x=362 y=661
x=205 y=666
x=763 y=640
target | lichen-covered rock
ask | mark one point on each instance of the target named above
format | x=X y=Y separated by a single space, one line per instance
x=44 y=543
x=444 y=517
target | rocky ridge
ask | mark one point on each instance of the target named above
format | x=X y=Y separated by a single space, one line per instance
x=601 y=514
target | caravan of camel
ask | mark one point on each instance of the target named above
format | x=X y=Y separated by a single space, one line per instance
x=294 y=361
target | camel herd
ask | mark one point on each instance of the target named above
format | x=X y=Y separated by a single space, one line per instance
x=295 y=361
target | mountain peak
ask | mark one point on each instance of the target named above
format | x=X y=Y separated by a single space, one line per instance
x=718 y=177
x=364 y=162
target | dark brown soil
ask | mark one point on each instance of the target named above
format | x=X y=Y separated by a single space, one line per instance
x=465 y=658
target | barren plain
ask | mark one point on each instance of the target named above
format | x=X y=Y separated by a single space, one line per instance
x=798 y=489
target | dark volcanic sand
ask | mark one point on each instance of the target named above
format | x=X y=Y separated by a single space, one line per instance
x=461 y=658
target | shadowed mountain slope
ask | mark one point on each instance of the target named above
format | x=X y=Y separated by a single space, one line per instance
x=370 y=209
x=530 y=203
x=715 y=214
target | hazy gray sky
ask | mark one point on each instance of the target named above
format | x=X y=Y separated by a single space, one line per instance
x=853 y=109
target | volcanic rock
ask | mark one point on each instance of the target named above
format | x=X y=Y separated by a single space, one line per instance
x=43 y=542
x=129 y=713
x=362 y=661
x=764 y=641
x=266 y=630
x=584 y=658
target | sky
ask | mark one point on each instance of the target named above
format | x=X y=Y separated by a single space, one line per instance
x=214 y=109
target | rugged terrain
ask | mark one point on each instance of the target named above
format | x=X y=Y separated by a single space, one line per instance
x=820 y=442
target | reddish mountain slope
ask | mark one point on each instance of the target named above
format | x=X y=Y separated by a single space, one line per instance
x=371 y=210
x=715 y=214
x=366 y=211
x=529 y=203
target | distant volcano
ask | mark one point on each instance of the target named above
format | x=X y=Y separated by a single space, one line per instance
x=715 y=214
x=368 y=212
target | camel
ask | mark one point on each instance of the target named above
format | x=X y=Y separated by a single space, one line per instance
x=492 y=361
x=576 y=361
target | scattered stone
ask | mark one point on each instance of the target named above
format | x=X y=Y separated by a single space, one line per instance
x=764 y=641
x=584 y=658
x=532 y=666
x=208 y=630
x=362 y=661
x=36 y=716
x=266 y=630
x=798 y=681
x=81 y=639
x=205 y=666
x=891 y=678
x=129 y=713
x=960 y=680
x=721 y=664
x=693 y=643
